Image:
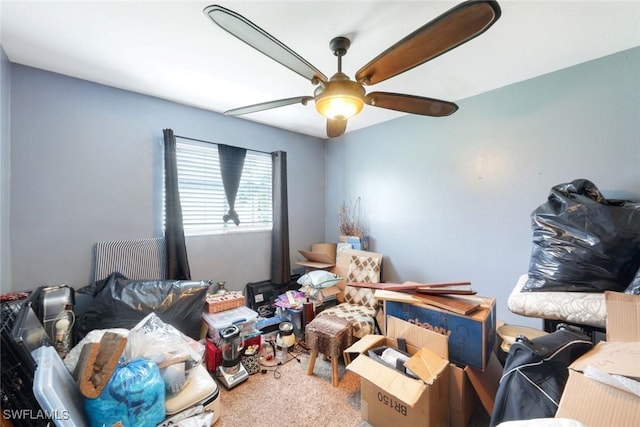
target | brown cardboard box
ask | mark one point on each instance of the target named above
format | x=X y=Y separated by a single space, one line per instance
x=595 y=403
x=603 y=387
x=623 y=316
x=387 y=396
x=316 y=260
x=463 y=399
x=471 y=336
x=486 y=382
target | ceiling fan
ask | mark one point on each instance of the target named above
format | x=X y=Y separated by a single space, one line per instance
x=339 y=98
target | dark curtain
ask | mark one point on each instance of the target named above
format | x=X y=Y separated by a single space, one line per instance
x=231 y=165
x=280 y=263
x=177 y=264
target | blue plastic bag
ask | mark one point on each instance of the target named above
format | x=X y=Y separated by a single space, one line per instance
x=134 y=396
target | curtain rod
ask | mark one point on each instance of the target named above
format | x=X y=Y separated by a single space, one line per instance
x=209 y=142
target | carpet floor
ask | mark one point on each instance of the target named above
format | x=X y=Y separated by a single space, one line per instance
x=284 y=395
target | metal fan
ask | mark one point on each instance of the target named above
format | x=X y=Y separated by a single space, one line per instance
x=340 y=98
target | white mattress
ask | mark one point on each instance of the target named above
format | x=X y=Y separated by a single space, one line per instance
x=581 y=308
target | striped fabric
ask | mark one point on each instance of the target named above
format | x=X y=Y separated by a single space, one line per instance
x=138 y=259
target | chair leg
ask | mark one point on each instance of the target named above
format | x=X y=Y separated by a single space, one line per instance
x=334 y=371
x=312 y=361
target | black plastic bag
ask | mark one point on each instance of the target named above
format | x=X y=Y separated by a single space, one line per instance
x=583 y=242
x=117 y=302
x=634 y=287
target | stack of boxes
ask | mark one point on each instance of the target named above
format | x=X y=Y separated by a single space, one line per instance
x=445 y=347
x=602 y=389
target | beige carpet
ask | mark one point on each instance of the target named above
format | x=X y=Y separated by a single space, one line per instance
x=286 y=396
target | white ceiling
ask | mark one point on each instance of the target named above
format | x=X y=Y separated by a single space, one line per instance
x=171 y=50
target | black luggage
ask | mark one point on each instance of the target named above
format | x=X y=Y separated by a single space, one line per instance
x=535 y=374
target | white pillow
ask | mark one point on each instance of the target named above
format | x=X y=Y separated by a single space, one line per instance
x=319 y=279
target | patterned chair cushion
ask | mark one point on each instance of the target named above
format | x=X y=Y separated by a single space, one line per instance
x=359 y=296
x=364 y=269
x=360 y=317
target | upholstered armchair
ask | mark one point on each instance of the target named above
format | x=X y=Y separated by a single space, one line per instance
x=358 y=304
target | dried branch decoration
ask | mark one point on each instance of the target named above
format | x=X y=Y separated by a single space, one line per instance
x=350 y=219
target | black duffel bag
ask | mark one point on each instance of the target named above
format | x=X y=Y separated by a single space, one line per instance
x=535 y=374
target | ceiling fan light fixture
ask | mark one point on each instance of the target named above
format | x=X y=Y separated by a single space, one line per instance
x=340 y=99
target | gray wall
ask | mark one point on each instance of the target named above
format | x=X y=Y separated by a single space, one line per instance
x=5 y=90
x=87 y=167
x=446 y=199
x=450 y=199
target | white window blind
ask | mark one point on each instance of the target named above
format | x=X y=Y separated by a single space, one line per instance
x=202 y=193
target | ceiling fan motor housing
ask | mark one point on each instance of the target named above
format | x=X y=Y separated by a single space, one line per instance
x=339 y=46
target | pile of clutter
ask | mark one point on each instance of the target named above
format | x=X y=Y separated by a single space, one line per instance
x=148 y=376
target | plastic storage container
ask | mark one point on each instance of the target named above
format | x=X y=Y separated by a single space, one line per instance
x=55 y=390
x=243 y=317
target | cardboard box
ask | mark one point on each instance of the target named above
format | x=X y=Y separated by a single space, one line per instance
x=471 y=336
x=463 y=399
x=316 y=260
x=603 y=386
x=623 y=316
x=595 y=403
x=486 y=382
x=388 y=396
x=327 y=248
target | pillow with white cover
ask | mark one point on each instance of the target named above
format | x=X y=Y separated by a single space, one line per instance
x=319 y=279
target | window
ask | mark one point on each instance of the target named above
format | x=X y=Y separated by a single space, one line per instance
x=202 y=194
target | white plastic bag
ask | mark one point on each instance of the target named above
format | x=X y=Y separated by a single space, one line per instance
x=175 y=353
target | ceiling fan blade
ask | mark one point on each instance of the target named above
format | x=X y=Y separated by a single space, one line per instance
x=245 y=30
x=336 y=127
x=268 y=105
x=411 y=104
x=451 y=29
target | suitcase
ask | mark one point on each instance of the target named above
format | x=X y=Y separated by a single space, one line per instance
x=200 y=395
x=535 y=373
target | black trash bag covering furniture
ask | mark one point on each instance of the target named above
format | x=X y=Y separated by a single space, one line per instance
x=118 y=302
x=583 y=242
